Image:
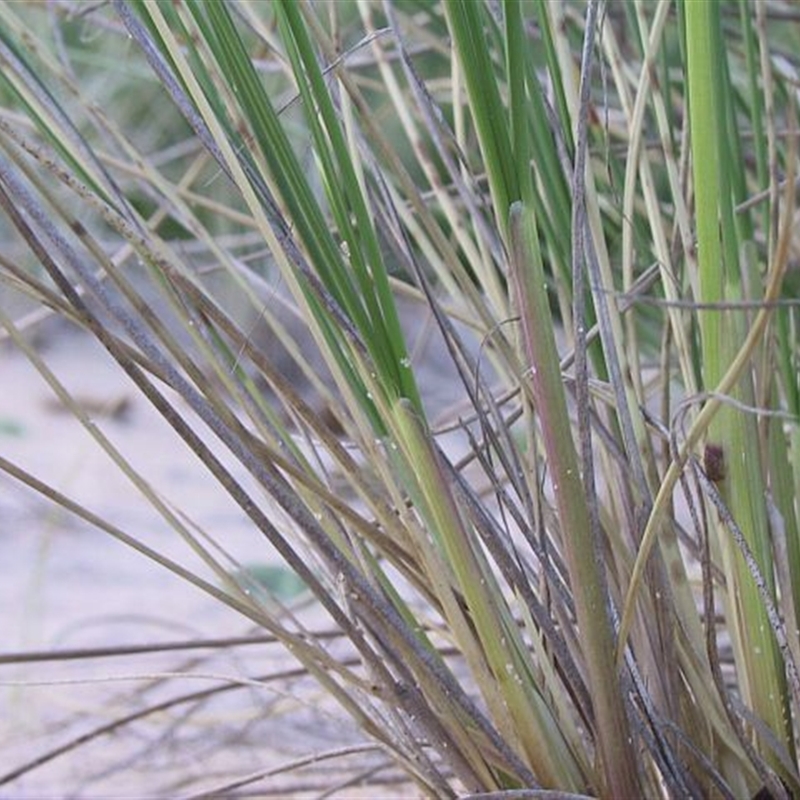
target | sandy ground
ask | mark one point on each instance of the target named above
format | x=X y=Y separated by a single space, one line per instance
x=66 y=585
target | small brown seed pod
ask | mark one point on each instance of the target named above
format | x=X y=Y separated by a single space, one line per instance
x=714 y=462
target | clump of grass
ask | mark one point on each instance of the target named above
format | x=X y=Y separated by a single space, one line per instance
x=594 y=207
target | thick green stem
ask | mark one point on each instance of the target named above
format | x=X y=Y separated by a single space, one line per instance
x=732 y=435
x=614 y=743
